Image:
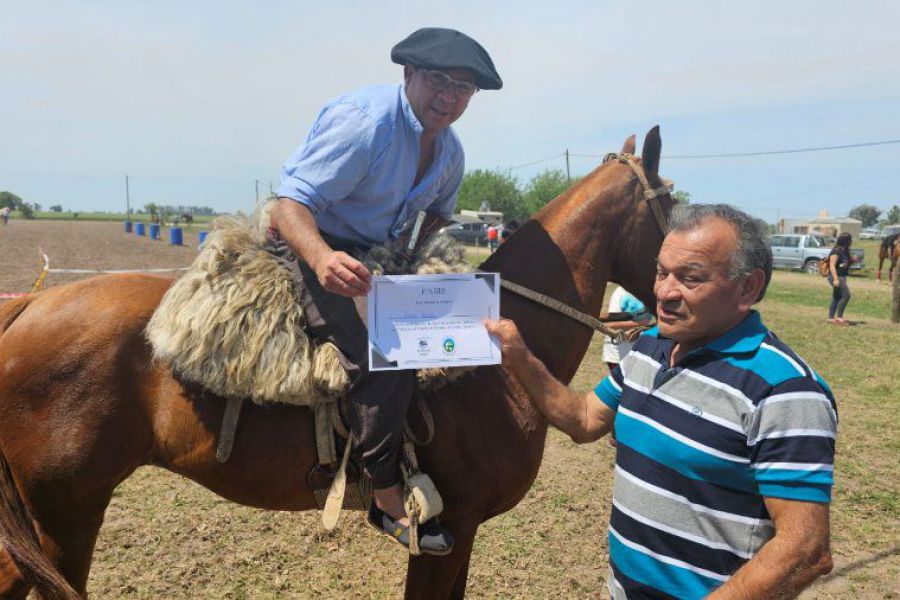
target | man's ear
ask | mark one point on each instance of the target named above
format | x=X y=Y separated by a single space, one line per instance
x=407 y=73
x=751 y=287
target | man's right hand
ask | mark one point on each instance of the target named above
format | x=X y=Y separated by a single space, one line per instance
x=340 y=273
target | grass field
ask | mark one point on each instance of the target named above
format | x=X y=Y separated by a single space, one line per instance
x=167 y=537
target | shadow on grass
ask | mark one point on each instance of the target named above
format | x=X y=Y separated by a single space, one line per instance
x=859 y=564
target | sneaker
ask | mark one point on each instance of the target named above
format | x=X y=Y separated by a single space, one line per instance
x=433 y=539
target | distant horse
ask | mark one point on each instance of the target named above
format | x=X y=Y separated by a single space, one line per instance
x=83 y=406
x=890 y=250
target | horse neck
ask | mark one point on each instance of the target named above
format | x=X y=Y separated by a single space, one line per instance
x=566 y=252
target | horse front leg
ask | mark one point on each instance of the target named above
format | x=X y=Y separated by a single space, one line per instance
x=439 y=577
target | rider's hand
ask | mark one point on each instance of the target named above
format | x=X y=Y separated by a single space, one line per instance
x=340 y=273
x=515 y=352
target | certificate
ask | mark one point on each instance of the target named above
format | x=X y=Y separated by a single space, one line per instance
x=429 y=321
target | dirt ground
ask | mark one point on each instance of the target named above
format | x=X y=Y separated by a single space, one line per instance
x=166 y=537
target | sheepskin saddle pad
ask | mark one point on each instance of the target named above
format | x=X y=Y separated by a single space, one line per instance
x=232 y=323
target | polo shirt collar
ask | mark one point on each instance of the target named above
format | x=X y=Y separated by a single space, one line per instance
x=746 y=336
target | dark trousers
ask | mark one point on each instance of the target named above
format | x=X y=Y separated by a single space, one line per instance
x=840 y=296
x=378 y=401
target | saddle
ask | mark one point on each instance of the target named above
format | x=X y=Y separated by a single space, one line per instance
x=233 y=325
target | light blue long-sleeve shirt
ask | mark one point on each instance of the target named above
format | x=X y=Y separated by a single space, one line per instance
x=356 y=169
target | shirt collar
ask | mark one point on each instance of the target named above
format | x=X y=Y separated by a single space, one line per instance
x=408 y=112
x=746 y=336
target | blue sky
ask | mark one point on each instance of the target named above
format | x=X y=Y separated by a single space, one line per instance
x=195 y=101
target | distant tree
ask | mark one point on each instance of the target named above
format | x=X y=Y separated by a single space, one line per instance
x=151 y=209
x=681 y=197
x=36 y=207
x=499 y=189
x=866 y=213
x=56 y=208
x=11 y=200
x=893 y=216
x=543 y=188
x=74 y=215
x=26 y=210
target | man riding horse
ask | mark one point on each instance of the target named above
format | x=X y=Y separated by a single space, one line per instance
x=372 y=160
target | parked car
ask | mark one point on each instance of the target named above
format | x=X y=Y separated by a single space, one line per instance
x=870 y=234
x=467 y=233
x=794 y=251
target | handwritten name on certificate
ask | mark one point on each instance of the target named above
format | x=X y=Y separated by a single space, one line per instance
x=428 y=321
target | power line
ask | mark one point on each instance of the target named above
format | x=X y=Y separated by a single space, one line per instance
x=765 y=152
x=534 y=162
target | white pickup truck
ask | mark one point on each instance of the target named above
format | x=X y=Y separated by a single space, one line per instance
x=796 y=251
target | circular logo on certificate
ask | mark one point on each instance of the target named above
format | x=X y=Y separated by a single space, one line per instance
x=449 y=345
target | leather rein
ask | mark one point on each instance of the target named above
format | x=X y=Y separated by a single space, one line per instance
x=652 y=196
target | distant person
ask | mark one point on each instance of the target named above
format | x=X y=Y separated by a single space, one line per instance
x=508 y=230
x=492 y=237
x=838 y=268
x=622 y=301
x=4 y=214
x=895 y=301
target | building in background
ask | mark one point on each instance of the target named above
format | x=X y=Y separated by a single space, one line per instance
x=823 y=224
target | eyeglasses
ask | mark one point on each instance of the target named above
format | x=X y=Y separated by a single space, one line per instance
x=441 y=81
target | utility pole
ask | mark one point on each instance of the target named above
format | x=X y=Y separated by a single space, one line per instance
x=127 y=200
x=568 y=176
x=257 y=190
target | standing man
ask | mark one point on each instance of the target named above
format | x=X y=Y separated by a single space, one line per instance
x=4 y=215
x=724 y=462
x=372 y=160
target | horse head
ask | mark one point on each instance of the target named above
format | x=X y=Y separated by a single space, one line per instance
x=601 y=229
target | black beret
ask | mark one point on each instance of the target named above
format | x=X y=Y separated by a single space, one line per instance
x=439 y=48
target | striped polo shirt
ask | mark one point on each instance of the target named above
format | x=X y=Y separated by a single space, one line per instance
x=699 y=446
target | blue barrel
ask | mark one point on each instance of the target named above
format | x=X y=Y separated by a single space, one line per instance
x=202 y=237
x=139 y=229
x=176 y=236
x=154 y=231
x=127 y=226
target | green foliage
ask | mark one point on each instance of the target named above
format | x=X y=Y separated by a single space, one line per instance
x=500 y=190
x=893 y=216
x=151 y=208
x=11 y=200
x=57 y=208
x=681 y=197
x=543 y=188
x=866 y=213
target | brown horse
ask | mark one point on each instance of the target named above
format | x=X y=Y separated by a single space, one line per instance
x=889 y=250
x=83 y=406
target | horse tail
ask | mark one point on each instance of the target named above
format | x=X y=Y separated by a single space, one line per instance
x=20 y=540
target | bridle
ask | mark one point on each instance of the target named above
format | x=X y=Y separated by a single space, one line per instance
x=652 y=196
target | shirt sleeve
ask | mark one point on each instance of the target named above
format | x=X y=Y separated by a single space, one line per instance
x=334 y=159
x=610 y=389
x=791 y=438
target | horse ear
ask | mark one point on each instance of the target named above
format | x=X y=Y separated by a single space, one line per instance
x=629 y=146
x=650 y=153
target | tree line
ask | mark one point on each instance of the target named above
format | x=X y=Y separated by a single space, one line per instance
x=869 y=215
x=503 y=193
